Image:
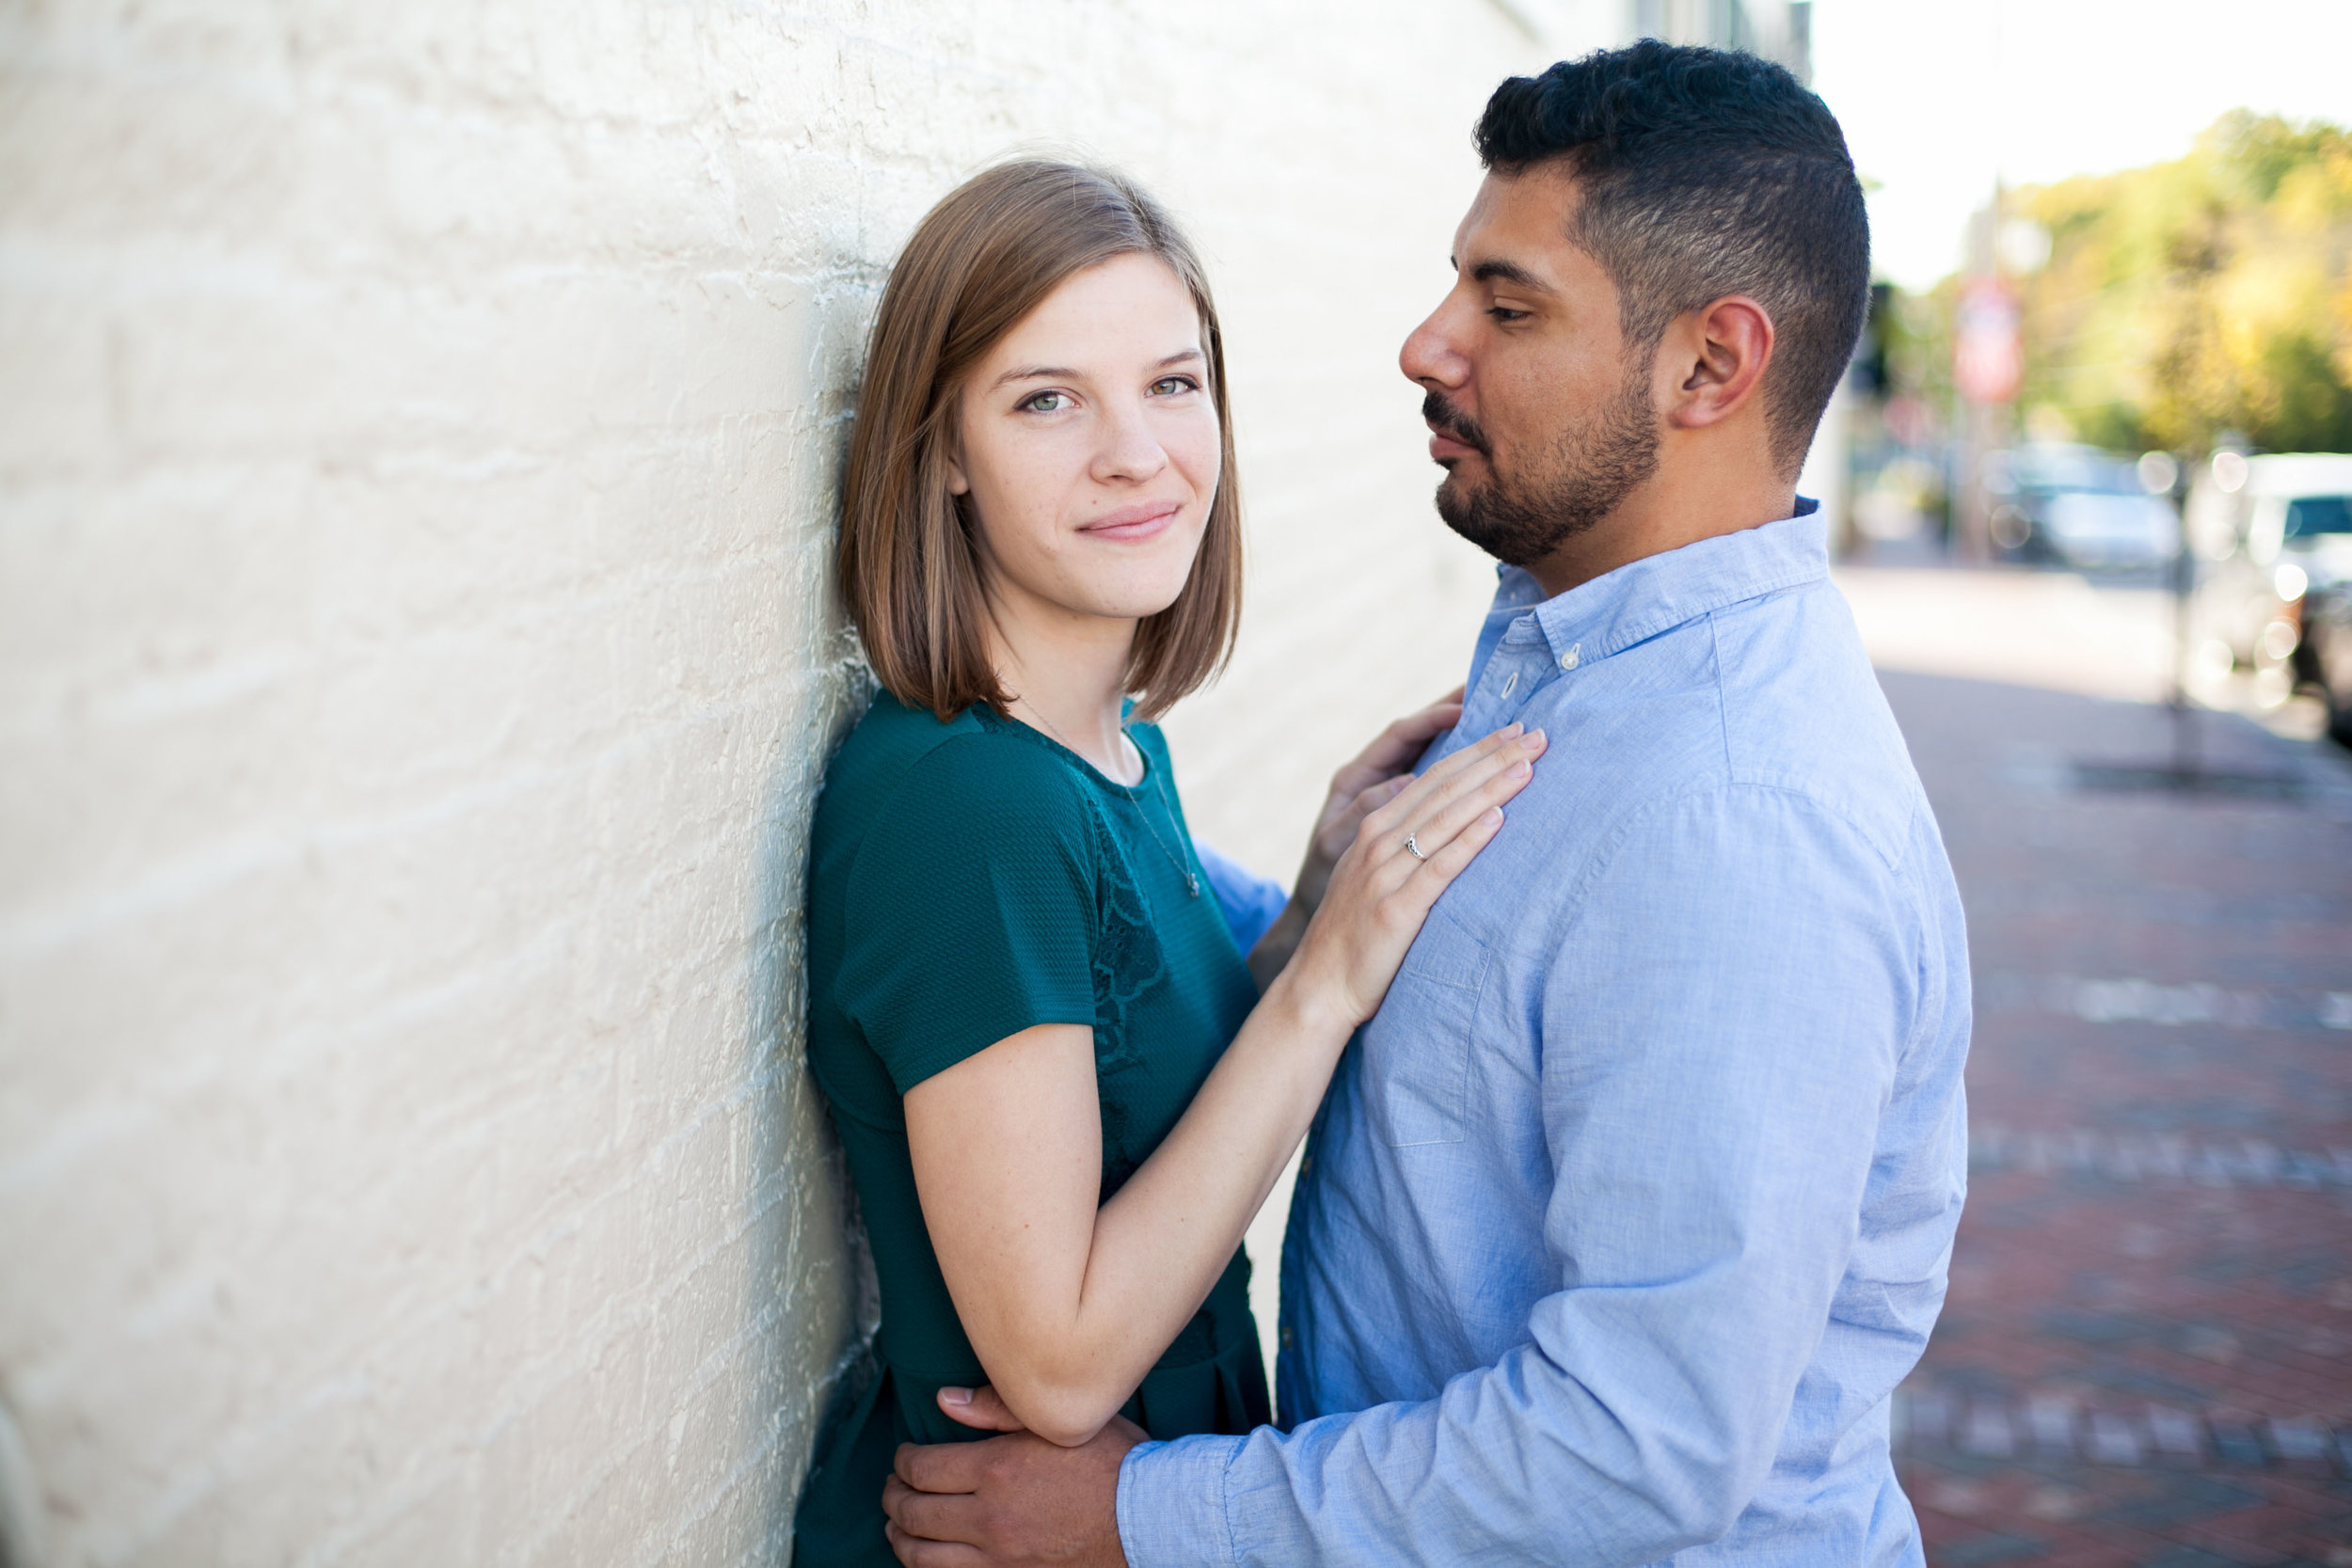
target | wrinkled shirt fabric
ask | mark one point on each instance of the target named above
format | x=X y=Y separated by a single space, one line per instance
x=1625 y=1215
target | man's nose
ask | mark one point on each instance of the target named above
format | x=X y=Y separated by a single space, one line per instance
x=1430 y=356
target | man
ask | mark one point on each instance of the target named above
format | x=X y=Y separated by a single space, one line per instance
x=1627 y=1213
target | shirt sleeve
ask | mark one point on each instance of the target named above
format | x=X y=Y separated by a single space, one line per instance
x=1250 y=902
x=1722 y=1019
x=971 y=909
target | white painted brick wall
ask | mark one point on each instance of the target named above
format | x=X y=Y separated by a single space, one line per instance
x=418 y=431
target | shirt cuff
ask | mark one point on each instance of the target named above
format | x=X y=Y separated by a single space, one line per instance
x=1171 y=1502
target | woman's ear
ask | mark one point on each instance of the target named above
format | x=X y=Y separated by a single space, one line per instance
x=1723 y=352
x=949 y=433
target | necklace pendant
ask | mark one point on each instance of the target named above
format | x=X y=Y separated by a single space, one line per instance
x=1192 y=884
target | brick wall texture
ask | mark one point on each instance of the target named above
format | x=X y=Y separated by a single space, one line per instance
x=419 y=431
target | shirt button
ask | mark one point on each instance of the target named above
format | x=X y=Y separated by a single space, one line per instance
x=1306 y=1165
x=1286 y=1335
x=1567 y=661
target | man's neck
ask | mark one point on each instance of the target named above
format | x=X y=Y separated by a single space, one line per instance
x=1665 y=512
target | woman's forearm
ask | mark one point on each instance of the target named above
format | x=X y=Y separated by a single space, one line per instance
x=1208 y=1179
x=1064 y=1349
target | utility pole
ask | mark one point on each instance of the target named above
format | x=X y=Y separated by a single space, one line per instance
x=2163 y=474
x=1987 y=367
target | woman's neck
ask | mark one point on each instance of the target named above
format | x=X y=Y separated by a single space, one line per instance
x=1067 y=676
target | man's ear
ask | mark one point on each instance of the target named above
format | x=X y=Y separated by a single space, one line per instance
x=1719 y=354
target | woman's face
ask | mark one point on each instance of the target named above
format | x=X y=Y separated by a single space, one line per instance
x=1090 y=447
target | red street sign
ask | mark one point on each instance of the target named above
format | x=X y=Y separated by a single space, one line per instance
x=1986 y=360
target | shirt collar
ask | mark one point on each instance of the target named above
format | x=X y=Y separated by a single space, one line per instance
x=1658 y=592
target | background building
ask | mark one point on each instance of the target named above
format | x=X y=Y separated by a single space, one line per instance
x=418 y=439
x=419 y=431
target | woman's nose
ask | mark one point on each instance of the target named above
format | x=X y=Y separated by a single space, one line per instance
x=1129 y=451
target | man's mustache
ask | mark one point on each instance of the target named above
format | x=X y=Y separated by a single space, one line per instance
x=1451 y=422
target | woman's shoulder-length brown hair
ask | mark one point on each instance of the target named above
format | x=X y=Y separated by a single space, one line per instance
x=984 y=258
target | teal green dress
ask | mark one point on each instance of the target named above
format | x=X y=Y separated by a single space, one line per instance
x=967 y=880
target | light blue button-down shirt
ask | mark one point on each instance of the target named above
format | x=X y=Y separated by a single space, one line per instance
x=1628 y=1211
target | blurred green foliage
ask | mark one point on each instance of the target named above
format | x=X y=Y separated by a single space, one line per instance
x=2187 y=299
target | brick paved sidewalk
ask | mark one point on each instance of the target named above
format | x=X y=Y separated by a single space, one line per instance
x=2147 y=1354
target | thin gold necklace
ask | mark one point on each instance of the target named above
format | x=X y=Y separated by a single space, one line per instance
x=1192 y=879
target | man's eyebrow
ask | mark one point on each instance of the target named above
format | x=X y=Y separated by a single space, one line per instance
x=1495 y=269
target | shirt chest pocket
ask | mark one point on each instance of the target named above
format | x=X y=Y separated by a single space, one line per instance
x=1416 y=1049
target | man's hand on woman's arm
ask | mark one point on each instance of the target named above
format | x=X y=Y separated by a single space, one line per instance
x=1017 y=1500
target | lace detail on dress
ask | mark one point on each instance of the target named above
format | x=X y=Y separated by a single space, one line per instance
x=1128 y=962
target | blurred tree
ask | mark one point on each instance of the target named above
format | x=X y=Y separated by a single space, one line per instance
x=1918 y=336
x=2210 y=295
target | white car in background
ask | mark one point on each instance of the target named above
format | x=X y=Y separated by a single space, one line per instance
x=2078 y=506
x=2268 y=531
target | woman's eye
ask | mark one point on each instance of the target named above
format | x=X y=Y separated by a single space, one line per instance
x=1047 y=403
x=1169 y=386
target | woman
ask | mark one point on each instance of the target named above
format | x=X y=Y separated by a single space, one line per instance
x=1061 y=1093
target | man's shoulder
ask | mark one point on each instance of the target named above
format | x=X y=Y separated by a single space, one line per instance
x=1766 y=699
x=1802 y=711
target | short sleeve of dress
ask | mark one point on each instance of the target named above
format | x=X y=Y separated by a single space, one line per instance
x=971 y=912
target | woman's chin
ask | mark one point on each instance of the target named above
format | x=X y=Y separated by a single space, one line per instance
x=1129 y=595
x=1136 y=606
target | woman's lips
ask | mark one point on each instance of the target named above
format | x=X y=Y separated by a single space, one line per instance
x=1129 y=524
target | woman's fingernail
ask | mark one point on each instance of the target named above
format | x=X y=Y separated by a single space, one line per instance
x=1533 y=741
x=955 y=1396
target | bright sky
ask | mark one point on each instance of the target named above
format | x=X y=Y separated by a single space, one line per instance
x=1937 y=95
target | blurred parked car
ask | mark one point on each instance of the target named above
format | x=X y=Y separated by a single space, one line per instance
x=2274 y=540
x=2078 y=506
x=2325 y=657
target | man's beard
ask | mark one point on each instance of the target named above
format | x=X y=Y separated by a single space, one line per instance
x=1522 y=518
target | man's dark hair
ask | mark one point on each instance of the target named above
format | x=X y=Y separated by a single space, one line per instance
x=1704 y=173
